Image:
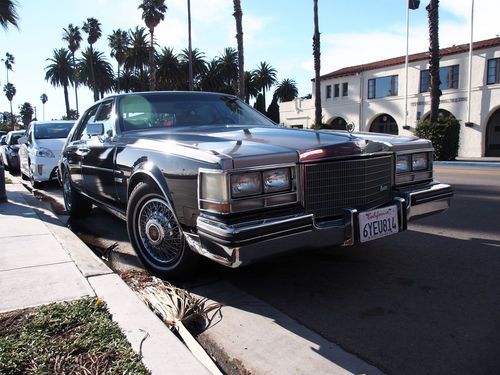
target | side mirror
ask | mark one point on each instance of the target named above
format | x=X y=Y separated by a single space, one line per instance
x=22 y=140
x=95 y=129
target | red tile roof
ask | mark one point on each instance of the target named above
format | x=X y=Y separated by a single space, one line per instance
x=488 y=43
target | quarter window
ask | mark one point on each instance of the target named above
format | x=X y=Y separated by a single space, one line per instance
x=383 y=86
x=448 y=75
x=493 y=74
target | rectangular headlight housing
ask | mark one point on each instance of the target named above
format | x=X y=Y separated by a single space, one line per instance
x=246 y=184
x=403 y=163
x=420 y=161
x=213 y=187
x=276 y=180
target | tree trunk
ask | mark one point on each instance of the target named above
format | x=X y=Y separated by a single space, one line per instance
x=317 y=68
x=92 y=75
x=238 y=15
x=152 y=67
x=118 y=79
x=66 y=99
x=12 y=116
x=75 y=79
x=433 y=16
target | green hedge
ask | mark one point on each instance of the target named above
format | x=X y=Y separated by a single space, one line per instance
x=444 y=135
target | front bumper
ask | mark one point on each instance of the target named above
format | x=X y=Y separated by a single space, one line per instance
x=44 y=169
x=243 y=243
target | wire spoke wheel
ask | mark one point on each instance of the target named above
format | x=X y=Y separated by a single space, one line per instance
x=67 y=192
x=159 y=232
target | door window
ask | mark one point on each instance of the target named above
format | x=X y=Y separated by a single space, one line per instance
x=89 y=116
x=105 y=116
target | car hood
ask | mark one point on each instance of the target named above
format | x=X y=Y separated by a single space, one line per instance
x=54 y=144
x=250 y=146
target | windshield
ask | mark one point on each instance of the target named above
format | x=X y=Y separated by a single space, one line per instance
x=185 y=109
x=51 y=131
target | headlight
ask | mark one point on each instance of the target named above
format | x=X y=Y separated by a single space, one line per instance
x=44 y=153
x=245 y=184
x=420 y=161
x=276 y=180
x=403 y=163
x=213 y=187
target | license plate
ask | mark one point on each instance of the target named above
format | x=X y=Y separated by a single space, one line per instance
x=378 y=223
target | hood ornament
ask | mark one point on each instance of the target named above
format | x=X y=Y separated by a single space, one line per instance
x=350 y=127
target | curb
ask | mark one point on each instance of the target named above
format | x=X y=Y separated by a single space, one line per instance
x=469 y=164
x=160 y=350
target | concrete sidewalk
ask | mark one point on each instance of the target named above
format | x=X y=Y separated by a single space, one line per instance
x=42 y=261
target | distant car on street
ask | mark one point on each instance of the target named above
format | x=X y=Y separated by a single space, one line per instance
x=10 y=151
x=41 y=148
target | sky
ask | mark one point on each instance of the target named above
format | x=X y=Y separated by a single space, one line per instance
x=276 y=31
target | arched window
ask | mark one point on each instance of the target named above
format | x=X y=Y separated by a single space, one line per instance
x=338 y=123
x=384 y=124
x=493 y=135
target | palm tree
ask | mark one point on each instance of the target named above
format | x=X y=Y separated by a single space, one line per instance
x=119 y=42
x=433 y=16
x=44 y=98
x=9 y=62
x=104 y=80
x=26 y=111
x=286 y=90
x=198 y=63
x=73 y=37
x=60 y=72
x=137 y=54
x=170 y=75
x=153 y=11
x=10 y=91
x=251 y=87
x=228 y=62
x=317 y=68
x=265 y=77
x=93 y=28
x=8 y=13
x=238 y=15
x=212 y=79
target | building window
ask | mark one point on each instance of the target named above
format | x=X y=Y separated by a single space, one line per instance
x=448 y=75
x=336 y=90
x=493 y=71
x=345 y=89
x=328 y=91
x=383 y=86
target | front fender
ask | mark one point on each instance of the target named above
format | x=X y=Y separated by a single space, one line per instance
x=148 y=171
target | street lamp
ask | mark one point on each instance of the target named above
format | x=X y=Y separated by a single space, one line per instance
x=412 y=4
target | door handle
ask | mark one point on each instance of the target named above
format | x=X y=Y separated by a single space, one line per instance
x=83 y=150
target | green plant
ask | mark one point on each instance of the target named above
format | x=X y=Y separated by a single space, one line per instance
x=444 y=135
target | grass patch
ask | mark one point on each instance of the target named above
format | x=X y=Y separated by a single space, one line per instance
x=8 y=180
x=66 y=338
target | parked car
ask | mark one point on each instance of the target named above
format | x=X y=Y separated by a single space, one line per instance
x=3 y=142
x=41 y=149
x=10 y=151
x=205 y=173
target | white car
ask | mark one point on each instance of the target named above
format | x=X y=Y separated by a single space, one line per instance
x=41 y=148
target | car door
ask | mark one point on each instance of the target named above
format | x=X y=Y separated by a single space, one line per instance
x=98 y=161
x=77 y=147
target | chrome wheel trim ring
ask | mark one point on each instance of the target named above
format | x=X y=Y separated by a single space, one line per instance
x=159 y=233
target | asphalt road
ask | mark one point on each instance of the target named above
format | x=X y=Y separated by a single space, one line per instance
x=426 y=301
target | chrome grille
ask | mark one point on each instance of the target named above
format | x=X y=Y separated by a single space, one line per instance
x=329 y=187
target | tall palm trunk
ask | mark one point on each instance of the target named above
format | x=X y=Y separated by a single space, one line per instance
x=152 y=67
x=12 y=116
x=238 y=15
x=118 y=78
x=75 y=79
x=317 y=68
x=92 y=75
x=433 y=16
x=66 y=100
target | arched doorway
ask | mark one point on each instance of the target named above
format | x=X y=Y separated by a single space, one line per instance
x=338 y=123
x=442 y=113
x=493 y=135
x=384 y=124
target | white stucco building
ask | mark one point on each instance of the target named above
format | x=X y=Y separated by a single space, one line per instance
x=372 y=96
